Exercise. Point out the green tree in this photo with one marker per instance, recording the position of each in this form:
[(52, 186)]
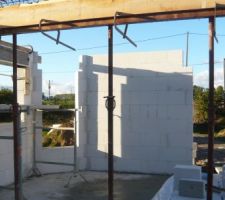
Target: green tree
[(6, 97), (58, 137), (65, 101), (200, 104), (219, 99)]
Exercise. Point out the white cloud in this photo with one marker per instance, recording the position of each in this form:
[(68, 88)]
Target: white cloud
[(202, 78), (57, 88)]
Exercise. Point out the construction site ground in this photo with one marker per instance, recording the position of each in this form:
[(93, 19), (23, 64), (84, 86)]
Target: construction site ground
[(93, 185), (88, 186)]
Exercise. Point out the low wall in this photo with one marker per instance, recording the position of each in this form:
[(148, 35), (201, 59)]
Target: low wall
[(52, 154), (56, 154), (6, 154)]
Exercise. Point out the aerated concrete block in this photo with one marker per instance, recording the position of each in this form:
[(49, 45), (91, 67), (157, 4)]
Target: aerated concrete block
[(191, 188), (186, 172)]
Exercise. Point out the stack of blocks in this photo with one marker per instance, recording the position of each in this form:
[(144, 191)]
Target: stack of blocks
[(188, 181)]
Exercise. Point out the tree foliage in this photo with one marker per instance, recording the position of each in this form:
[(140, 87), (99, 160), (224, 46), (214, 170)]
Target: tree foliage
[(59, 137), (200, 96), (6, 97), (64, 101)]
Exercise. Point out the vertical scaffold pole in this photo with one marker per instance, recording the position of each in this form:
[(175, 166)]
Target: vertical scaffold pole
[(110, 112), (16, 129), (34, 141), (211, 109), (75, 164)]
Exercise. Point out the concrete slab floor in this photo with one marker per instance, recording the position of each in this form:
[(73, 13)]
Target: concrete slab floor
[(88, 186)]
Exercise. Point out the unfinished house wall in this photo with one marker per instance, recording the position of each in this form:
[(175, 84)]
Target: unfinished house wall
[(56, 154), (152, 117), (6, 155), (29, 93)]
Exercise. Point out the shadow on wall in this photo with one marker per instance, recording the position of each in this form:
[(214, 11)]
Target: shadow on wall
[(152, 119)]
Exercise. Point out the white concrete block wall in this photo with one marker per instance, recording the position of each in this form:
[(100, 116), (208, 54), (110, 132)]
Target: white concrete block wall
[(153, 114), (6, 154), (29, 93), (81, 116), (56, 154)]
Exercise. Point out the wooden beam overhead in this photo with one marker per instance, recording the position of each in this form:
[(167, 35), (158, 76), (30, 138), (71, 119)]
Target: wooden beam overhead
[(67, 14)]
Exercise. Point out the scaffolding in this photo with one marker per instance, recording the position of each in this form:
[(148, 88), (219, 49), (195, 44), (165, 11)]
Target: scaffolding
[(16, 110), (35, 127), (28, 110)]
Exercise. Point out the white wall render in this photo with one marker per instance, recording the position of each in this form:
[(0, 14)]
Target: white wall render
[(153, 114)]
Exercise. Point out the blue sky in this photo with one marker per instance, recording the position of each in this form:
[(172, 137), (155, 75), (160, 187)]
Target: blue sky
[(59, 63)]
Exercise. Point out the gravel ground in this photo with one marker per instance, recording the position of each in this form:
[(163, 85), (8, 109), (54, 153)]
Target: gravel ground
[(219, 150)]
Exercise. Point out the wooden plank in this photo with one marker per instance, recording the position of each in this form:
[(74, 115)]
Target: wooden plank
[(88, 13), (55, 128), (68, 10), (61, 128)]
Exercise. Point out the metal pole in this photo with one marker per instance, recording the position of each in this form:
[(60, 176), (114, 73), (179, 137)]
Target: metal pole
[(110, 112), (34, 140), (187, 49), (211, 109), (16, 131), (75, 143), (35, 170)]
